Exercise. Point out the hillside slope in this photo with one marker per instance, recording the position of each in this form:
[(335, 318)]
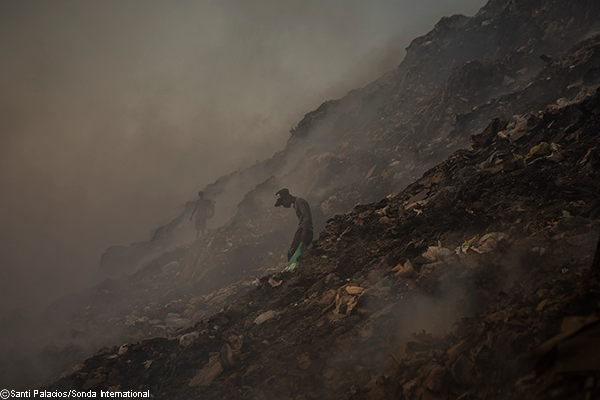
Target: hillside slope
[(340, 327), (350, 152)]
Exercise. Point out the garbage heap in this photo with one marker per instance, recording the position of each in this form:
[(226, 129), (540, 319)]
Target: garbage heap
[(476, 281), (378, 139), (504, 73)]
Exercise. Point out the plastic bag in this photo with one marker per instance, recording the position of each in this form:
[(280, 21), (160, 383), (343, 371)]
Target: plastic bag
[(437, 253)]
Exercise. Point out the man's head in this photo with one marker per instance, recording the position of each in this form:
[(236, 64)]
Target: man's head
[(284, 198), (201, 194)]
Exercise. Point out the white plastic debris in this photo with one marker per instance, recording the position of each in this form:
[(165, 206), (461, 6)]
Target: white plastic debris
[(489, 242), (266, 316), (437, 253), (274, 282), (188, 338)]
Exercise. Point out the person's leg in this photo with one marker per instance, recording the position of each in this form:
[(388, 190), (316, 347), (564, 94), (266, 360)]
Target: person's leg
[(295, 244), (200, 226), (309, 238)]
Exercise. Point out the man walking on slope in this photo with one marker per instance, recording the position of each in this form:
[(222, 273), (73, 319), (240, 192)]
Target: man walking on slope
[(304, 234), (203, 210)]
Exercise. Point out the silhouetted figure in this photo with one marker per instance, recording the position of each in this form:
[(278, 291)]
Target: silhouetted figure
[(203, 210), (304, 234)]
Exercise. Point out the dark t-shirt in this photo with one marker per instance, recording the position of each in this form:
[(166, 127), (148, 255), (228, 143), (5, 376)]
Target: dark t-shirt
[(202, 207), (303, 213)]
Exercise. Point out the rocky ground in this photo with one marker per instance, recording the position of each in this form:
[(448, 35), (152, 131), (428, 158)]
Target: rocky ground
[(488, 127), (447, 290)]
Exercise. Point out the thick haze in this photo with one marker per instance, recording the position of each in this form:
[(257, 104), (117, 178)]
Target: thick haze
[(114, 113)]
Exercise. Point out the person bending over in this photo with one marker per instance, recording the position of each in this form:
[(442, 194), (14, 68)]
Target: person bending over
[(304, 234)]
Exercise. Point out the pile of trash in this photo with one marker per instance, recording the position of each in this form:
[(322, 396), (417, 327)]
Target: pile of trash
[(473, 282), (463, 225)]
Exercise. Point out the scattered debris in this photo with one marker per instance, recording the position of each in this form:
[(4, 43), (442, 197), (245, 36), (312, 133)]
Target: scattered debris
[(492, 304), (275, 283), (206, 375), (437, 253), (264, 317)]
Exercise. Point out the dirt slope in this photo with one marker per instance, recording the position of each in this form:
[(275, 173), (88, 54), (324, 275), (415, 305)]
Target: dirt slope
[(360, 149), (340, 327)]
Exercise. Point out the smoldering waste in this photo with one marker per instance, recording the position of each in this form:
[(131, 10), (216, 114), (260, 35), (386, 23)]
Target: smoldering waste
[(474, 281), (487, 261)]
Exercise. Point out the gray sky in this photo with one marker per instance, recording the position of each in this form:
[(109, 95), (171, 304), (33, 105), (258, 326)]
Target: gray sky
[(114, 113)]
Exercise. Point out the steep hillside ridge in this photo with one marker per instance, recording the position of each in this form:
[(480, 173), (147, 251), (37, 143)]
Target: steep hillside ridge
[(417, 114), (356, 150), (351, 157), (525, 232)]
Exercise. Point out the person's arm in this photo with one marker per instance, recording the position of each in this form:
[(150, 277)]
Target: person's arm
[(194, 212), (211, 208), (305, 222)]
